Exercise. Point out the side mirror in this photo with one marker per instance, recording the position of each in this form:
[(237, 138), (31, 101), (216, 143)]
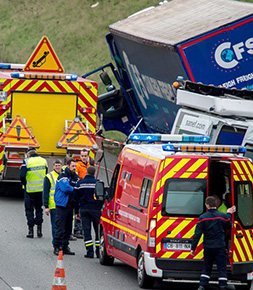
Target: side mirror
[(100, 191), (105, 78)]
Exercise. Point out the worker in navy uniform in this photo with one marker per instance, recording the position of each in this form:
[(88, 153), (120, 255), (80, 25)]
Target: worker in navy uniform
[(213, 225), (32, 174), (63, 198), (48, 193), (90, 210)]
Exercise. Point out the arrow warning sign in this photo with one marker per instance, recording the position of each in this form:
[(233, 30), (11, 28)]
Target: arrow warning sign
[(44, 59), (18, 135), (76, 136)]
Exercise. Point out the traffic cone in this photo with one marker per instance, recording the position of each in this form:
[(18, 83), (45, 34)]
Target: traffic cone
[(59, 276)]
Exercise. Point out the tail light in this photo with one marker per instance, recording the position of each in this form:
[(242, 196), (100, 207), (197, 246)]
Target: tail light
[(152, 234)]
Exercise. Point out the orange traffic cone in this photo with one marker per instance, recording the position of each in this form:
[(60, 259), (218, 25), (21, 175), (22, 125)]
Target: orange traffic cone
[(59, 276)]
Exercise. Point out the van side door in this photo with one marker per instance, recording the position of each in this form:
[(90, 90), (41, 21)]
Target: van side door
[(241, 251)]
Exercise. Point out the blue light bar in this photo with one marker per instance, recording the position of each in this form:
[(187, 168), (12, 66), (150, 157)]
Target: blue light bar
[(242, 149), (145, 137), (198, 139), (168, 147), (5, 66), (170, 138)]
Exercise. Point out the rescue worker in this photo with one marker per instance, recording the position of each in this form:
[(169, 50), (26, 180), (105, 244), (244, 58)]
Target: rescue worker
[(32, 174), (90, 210), (220, 204), (64, 207), (81, 167), (48, 193), (213, 225), (84, 162)]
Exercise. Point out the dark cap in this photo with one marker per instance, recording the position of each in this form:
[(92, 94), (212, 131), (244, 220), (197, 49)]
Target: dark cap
[(31, 149)]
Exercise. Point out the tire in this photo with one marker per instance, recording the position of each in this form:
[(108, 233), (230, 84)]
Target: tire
[(104, 259), (144, 281), (243, 287)]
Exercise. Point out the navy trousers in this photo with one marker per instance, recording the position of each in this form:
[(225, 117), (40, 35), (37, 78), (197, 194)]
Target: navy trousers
[(63, 226), (33, 208), (89, 216), (211, 255), (52, 219)]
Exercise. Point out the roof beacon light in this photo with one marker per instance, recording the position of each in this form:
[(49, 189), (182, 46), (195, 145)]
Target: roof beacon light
[(205, 148), (44, 76), (169, 138), (11, 66)]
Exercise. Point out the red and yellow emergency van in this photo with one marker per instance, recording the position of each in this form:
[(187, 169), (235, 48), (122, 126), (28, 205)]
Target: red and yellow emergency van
[(156, 195), (43, 107)]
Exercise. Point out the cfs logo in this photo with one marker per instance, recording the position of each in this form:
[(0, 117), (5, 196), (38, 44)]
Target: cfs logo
[(228, 56)]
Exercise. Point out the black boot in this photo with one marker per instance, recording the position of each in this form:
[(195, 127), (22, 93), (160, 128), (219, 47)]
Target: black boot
[(39, 231), (30, 232)]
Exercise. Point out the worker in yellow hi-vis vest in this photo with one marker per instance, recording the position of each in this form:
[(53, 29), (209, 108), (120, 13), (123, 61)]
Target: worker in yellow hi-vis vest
[(48, 193), (32, 174)]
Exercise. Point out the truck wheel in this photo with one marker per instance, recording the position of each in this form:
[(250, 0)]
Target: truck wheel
[(144, 281), (104, 259), (244, 287)]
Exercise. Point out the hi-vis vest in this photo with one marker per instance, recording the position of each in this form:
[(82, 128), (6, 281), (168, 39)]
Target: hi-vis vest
[(52, 176), (36, 171)]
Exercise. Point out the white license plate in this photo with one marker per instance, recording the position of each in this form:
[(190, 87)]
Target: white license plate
[(177, 246)]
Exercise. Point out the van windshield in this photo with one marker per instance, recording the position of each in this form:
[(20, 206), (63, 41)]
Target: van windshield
[(184, 197)]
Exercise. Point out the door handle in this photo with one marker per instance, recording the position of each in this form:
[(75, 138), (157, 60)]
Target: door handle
[(239, 236)]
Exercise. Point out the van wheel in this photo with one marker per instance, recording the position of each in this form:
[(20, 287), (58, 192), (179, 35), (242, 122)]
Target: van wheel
[(244, 287), (144, 281), (104, 259)]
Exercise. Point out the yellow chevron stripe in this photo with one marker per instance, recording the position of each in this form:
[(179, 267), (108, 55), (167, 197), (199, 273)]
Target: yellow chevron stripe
[(239, 249), (164, 226), (246, 247), (68, 88), (161, 167), (1, 157), (236, 178), (201, 175), (250, 165), (13, 83), (158, 248), (159, 216), (54, 87), (88, 97), (124, 228), (235, 258), (184, 255), (238, 167), (199, 256), (168, 161), (45, 90), (189, 234), (158, 185), (167, 254), (246, 168), (196, 165), (36, 85), (186, 174), (179, 228), (23, 85), (176, 168)]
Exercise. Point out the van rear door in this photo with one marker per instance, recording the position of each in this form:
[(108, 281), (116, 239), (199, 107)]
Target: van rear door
[(182, 195), (241, 251)]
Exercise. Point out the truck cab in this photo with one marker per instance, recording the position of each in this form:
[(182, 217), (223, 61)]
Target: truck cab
[(225, 115)]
